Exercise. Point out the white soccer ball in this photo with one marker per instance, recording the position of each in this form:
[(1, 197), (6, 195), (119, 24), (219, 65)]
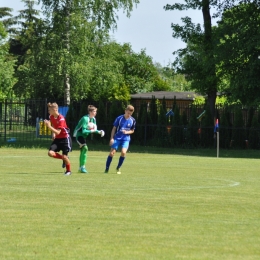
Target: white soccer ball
[(91, 126)]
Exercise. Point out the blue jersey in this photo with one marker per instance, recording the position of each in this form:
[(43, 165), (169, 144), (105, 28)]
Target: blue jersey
[(123, 124)]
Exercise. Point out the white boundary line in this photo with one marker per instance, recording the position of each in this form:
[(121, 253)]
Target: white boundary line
[(231, 184)]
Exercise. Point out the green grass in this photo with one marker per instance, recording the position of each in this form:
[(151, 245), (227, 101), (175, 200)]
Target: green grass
[(162, 206)]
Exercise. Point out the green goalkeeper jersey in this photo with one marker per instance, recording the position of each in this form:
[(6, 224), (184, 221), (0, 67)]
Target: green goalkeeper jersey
[(82, 127)]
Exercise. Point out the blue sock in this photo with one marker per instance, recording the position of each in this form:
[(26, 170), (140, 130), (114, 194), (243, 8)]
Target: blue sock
[(120, 162), (109, 160)]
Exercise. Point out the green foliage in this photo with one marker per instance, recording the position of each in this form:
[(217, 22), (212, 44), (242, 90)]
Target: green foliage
[(238, 51), (7, 63), (199, 100), (197, 61)]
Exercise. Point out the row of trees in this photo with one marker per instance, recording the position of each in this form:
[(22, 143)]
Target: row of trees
[(65, 51)]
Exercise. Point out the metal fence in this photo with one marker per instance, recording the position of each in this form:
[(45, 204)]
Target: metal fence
[(21, 122)]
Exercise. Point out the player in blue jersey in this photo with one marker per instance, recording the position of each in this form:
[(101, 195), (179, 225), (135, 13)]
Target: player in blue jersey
[(123, 127)]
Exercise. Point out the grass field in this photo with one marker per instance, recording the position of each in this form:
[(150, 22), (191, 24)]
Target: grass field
[(162, 206)]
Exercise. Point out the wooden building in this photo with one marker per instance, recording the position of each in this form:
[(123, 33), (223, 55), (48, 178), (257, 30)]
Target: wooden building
[(183, 99)]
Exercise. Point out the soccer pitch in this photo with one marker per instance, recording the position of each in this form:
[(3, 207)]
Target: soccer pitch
[(162, 206)]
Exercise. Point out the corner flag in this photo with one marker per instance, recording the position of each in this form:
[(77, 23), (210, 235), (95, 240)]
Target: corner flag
[(216, 126)]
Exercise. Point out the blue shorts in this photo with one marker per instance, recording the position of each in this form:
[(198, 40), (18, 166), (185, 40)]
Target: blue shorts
[(117, 143)]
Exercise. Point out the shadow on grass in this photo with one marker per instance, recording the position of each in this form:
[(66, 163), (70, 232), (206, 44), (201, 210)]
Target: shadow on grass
[(104, 147)]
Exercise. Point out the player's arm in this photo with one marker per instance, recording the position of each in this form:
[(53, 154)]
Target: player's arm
[(131, 130), (128, 132), (54, 130), (113, 131), (79, 125), (84, 124)]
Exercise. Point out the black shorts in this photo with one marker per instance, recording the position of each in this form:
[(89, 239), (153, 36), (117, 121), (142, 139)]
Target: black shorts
[(81, 141), (61, 144)]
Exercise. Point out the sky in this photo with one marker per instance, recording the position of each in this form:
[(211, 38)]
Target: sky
[(149, 27)]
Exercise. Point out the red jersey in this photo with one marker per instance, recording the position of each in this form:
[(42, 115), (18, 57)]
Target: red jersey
[(60, 123)]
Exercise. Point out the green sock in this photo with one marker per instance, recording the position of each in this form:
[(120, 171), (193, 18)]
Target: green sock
[(83, 155)]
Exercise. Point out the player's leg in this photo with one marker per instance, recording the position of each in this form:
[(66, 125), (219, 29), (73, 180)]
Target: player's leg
[(67, 163), (83, 154), (53, 150), (125, 145), (65, 146), (112, 152)]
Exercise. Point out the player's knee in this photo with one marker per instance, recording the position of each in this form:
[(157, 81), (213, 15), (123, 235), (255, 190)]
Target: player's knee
[(123, 152), (112, 153), (50, 153), (84, 148)]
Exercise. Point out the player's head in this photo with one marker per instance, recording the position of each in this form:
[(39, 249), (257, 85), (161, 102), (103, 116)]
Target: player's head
[(129, 111), (92, 110), (53, 108)]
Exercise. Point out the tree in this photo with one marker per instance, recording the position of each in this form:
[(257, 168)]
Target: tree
[(101, 13), (174, 81), (7, 22), (22, 41), (7, 64), (238, 52), (197, 59)]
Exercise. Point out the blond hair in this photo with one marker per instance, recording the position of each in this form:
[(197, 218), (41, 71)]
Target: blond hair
[(130, 108), (91, 108), (53, 105)]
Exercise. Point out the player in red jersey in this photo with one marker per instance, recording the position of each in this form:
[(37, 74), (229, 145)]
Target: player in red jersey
[(60, 136)]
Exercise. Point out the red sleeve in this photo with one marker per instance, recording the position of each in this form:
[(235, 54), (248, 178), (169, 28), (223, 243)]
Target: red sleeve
[(62, 122)]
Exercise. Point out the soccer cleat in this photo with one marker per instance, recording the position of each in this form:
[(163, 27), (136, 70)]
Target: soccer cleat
[(67, 173), (83, 170), (106, 171), (118, 171)]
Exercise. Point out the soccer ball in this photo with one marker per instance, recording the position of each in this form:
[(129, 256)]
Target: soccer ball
[(91, 126)]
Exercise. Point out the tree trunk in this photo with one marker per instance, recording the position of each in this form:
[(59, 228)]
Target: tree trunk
[(67, 77), (208, 45), (212, 102), (67, 90)]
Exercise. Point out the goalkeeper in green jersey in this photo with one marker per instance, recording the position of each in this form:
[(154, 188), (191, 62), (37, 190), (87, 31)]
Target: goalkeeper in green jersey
[(86, 125)]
